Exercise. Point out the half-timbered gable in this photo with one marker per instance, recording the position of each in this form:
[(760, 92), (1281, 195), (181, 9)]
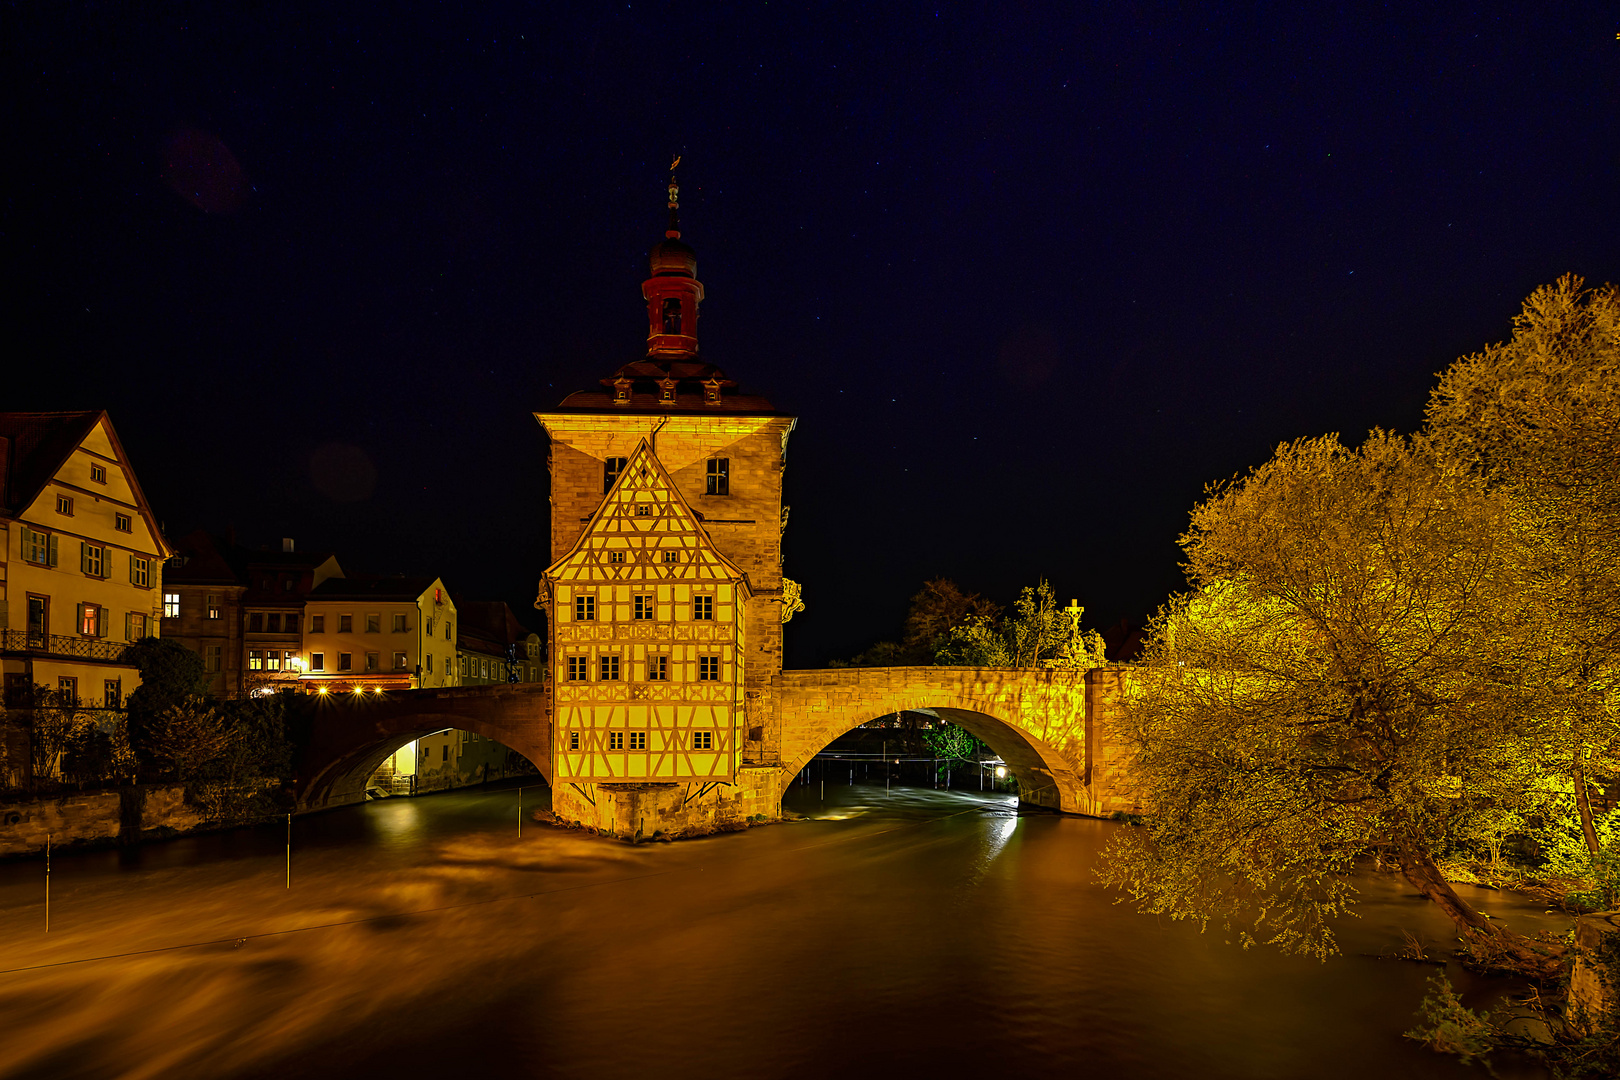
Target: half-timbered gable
[(647, 640)]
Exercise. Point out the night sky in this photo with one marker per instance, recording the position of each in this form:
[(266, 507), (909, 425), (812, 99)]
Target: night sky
[(1030, 276)]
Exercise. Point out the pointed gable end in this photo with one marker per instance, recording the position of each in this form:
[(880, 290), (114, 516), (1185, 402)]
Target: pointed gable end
[(645, 532)]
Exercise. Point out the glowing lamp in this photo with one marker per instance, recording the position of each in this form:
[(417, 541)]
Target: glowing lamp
[(1001, 772)]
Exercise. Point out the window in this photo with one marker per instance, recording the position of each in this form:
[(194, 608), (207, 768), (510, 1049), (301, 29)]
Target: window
[(122, 523), (272, 622), (91, 557), (672, 556), (427, 627), (371, 661), (708, 669), (98, 473), (345, 661), (140, 571), (317, 624), (211, 658), (287, 584), (67, 688), (638, 740), (211, 603), (272, 660), (449, 630), (134, 626), (615, 740), (399, 624), (615, 556), (703, 740), (373, 624), (573, 740), (643, 510), (64, 504), (657, 668), (255, 622), (90, 620), (702, 607), (317, 661), (644, 607), (345, 624), (38, 548), (290, 623), (171, 605), (577, 670), (610, 669), (444, 752), (255, 660), (672, 314), (113, 693), (611, 468), (428, 659), (718, 477), (585, 608), (483, 669)]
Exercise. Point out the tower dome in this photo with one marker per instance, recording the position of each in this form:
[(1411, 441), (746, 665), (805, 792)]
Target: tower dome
[(673, 257)]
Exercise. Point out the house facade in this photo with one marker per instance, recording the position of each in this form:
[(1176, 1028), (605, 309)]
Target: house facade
[(378, 633), (81, 559)]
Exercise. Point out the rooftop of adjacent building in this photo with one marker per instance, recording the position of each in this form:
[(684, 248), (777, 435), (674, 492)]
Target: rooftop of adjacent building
[(202, 558), (374, 587)]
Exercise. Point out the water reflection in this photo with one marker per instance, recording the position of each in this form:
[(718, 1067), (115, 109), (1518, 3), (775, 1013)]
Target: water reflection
[(919, 931)]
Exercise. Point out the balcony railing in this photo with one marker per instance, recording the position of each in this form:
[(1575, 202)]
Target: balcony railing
[(82, 648)]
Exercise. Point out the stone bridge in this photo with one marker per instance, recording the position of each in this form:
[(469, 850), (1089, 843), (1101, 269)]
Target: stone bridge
[(1050, 727)]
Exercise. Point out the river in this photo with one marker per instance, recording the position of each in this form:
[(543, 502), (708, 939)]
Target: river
[(907, 933)]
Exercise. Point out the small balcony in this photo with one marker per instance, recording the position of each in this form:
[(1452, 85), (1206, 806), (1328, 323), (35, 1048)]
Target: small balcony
[(14, 642)]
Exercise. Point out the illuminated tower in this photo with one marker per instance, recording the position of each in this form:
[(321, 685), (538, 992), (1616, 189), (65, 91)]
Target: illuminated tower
[(665, 593)]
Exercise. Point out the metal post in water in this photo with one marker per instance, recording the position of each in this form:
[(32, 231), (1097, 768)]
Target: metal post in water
[(47, 883), (520, 812), (289, 851)]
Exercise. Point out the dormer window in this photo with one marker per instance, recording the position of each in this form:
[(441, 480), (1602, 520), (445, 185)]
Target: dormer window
[(672, 315)]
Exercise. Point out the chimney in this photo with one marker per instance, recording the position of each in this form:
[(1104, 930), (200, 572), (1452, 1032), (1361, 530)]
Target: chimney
[(287, 544)]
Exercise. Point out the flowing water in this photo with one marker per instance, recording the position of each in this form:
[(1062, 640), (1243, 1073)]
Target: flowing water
[(906, 933)]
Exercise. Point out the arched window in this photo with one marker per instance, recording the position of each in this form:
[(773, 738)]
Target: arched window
[(672, 315)]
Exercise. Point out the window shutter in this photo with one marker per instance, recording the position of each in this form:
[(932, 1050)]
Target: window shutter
[(51, 553), (84, 556), (78, 627), (131, 571), (129, 626)]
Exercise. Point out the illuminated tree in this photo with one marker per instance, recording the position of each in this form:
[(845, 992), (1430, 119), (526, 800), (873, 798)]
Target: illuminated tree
[(1539, 418), (1037, 633), (1340, 679)]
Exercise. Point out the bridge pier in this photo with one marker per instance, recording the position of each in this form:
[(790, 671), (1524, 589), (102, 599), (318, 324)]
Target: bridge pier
[(671, 811)]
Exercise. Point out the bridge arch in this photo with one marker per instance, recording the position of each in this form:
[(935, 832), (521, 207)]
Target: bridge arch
[(352, 734), (1035, 721), (1039, 769)]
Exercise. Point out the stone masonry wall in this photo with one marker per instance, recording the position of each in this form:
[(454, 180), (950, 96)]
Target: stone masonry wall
[(93, 816)]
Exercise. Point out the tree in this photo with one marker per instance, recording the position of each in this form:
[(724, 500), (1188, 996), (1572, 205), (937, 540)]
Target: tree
[(1037, 634), (1538, 417), (938, 607), (171, 675), (1340, 678)]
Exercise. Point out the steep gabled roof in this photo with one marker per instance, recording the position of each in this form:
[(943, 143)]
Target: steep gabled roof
[(643, 517), (33, 447), (372, 587)]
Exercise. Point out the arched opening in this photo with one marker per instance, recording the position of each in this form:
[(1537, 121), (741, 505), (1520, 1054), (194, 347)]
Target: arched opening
[(433, 751), (1017, 762)]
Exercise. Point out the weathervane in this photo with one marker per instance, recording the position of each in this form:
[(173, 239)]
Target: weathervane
[(674, 229)]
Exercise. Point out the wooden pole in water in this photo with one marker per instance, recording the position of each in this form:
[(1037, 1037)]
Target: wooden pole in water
[(520, 813), (289, 851), (47, 883)]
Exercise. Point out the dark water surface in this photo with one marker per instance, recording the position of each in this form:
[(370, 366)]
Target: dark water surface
[(916, 933)]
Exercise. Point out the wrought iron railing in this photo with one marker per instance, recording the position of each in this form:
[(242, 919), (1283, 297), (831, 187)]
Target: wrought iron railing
[(14, 641)]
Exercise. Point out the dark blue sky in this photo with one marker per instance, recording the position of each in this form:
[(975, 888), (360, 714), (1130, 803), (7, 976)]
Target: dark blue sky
[(1030, 276)]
